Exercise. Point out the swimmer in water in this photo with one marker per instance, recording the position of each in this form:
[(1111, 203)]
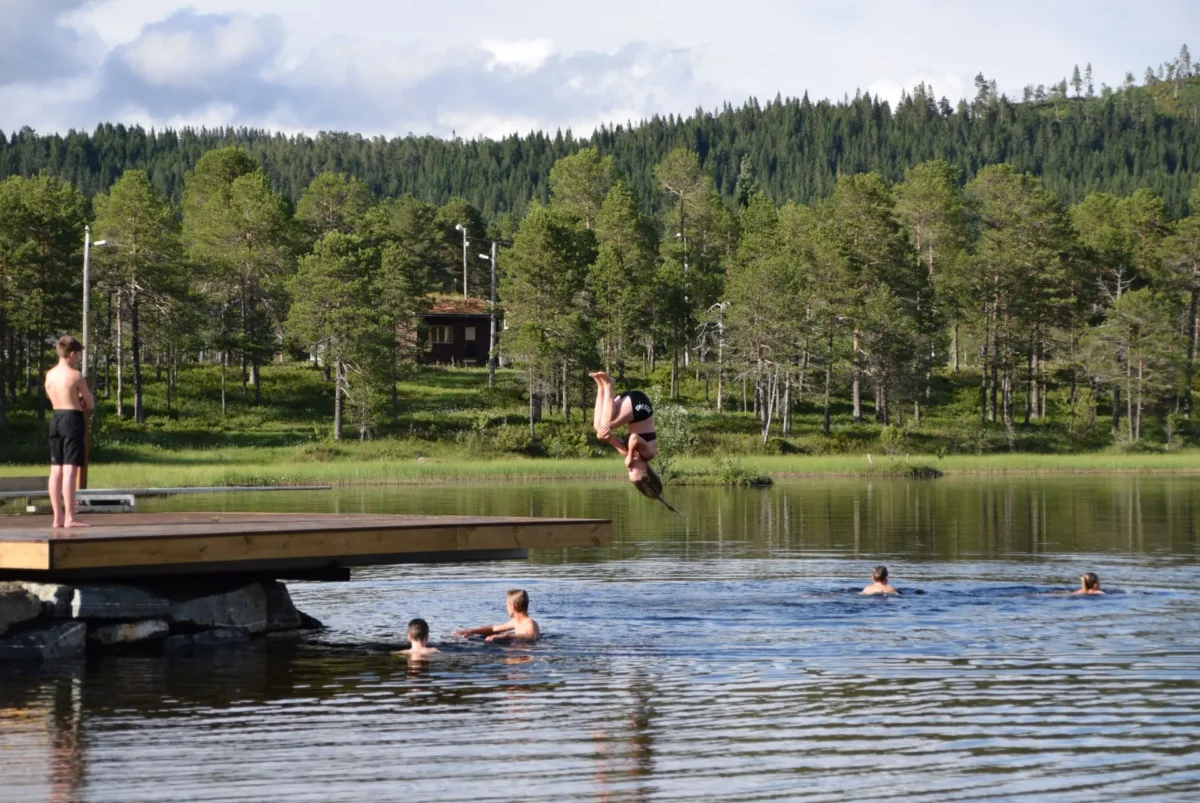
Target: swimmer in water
[(880, 586), (418, 641), (519, 627), (1089, 583)]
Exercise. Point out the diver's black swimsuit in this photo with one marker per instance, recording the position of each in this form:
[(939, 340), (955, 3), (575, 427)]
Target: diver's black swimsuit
[(642, 410)]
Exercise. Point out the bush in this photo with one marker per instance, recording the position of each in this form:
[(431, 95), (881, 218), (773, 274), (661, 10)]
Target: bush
[(512, 438), (567, 444)]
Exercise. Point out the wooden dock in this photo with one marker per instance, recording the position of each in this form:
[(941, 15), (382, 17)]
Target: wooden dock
[(282, 545)]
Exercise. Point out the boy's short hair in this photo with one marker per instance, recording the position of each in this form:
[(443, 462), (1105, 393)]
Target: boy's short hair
[(418, 630), (880, 574), (519, 600), (67, 346), (1091, 580)]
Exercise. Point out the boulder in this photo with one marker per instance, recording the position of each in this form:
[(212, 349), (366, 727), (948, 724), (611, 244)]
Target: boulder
[(310, 622), (17, 605), (117, 602), (205, 638), (129, 632), (281, 612), (55, 598), (243, 609), (64, 640)]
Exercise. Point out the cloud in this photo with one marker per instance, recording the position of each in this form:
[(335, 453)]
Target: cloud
[(191, 50), (34, 46), (522, 56), (231, 69)]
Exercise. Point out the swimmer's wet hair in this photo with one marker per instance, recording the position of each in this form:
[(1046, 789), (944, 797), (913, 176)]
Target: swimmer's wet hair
[(418, 631), (519, 600), (651, 487), (1091, 580), (880, 574)]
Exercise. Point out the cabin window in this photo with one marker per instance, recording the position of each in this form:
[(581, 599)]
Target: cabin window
[(470, 334), (441, 334)]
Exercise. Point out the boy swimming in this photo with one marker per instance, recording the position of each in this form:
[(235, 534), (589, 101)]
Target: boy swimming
[(880, 586), (519, 627), (1089, 583), (418, 640)]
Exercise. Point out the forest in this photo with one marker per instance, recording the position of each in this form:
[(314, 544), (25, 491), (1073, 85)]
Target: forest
[(795, 254)]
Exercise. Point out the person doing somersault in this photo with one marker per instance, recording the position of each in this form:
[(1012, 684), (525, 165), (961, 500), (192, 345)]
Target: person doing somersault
[(633, 410)]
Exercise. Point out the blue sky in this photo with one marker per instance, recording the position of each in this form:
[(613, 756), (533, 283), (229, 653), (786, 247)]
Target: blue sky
[(482, 68)]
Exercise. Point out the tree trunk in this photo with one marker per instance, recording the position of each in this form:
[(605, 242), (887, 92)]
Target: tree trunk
[(1137, 429), (120, 359), (395, 392), (675, 373), (954, 348), (566, 395), (224, 367), (1116, 408), (855, 390), (1029, 383), (532, 431), (828, 384), (983, 367), (786, 414), (339, 396), (1193, 333), (1129, 399), (139, 412)]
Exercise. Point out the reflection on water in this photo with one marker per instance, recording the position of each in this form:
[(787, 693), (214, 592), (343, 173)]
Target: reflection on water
[(724, 654)]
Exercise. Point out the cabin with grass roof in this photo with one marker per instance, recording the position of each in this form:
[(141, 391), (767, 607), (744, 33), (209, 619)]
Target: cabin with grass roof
[(457, 331)]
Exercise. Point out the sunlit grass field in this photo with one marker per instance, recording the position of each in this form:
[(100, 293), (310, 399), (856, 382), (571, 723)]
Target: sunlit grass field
[(449, 425)]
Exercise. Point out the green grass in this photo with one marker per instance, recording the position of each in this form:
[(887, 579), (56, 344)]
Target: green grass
[(451, 426), (687, 471)]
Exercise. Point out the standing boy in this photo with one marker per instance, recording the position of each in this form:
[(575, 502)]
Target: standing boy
[(69, 396)]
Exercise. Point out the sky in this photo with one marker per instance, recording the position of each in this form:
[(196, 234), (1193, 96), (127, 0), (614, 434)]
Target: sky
[(486, 68)]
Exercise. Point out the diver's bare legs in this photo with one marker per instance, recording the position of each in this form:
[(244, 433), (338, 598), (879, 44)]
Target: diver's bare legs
[(605, 401)]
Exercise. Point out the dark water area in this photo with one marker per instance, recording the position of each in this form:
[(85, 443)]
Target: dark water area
[(724, 655)]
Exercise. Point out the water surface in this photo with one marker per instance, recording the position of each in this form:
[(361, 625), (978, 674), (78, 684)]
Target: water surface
[(724, 654)]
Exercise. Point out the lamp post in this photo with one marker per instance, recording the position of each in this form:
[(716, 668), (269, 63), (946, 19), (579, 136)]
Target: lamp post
[(463, 229), (493, 354), (87, 288)]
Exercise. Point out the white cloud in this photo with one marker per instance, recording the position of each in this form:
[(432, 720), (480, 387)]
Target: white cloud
[(183, 57), (521, 56), (479, 68)]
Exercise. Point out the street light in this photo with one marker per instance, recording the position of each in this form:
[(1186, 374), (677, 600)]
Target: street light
[(87, 287), (463, 229), (492, 353)]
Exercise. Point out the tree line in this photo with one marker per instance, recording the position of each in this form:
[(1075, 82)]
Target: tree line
[(1078, 138), (862, 293)]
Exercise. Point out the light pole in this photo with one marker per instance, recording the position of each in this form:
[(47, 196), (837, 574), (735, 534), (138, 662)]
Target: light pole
[(463, 229), (493, 354), (87, 288)]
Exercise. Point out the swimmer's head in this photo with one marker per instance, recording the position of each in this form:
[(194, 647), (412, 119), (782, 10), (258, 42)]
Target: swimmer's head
[(638, 469), (1090, 581), (418, 631), (518, 601), (880, 574)]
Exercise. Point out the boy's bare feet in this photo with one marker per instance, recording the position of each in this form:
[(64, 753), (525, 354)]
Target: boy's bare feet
[(56, 523), (601, 376), (75, 523)]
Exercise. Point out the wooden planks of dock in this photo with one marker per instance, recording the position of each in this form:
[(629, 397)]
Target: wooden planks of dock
[(281, 544)]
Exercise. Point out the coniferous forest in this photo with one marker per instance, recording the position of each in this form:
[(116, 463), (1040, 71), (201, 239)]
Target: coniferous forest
[(822, 254)]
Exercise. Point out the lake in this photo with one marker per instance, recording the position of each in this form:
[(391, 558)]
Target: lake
[(724, 654)]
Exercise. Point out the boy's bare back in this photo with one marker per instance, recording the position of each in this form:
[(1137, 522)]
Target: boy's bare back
[(67, 390)]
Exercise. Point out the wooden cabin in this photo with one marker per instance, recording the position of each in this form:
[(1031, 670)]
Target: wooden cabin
[(458, 331)]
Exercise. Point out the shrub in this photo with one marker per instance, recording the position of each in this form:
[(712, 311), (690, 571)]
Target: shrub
[(512, 438), (567, 444)]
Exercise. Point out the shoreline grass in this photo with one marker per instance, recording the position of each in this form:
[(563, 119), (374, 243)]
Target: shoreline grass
[(230, 468)]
